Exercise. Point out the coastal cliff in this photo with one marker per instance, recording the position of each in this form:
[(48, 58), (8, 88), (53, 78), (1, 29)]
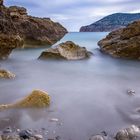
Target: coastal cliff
[(111, 22), (124, 43), (18, 29)]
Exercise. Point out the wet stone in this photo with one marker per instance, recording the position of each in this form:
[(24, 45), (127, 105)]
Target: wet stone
[(38, 137), (26, 134), (7, 130)]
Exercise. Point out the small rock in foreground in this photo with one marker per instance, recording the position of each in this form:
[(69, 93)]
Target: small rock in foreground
[(129, 133), (37, 99)]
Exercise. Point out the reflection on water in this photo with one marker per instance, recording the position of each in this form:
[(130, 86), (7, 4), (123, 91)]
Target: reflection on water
[(87, 96)]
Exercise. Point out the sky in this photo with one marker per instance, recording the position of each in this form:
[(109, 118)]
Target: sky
[(73, 14)]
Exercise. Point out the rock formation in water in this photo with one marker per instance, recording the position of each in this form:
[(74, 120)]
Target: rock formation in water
[(6, 74), (124, 43), (18, 28), (111, 22), (66, 51), (37, 99)]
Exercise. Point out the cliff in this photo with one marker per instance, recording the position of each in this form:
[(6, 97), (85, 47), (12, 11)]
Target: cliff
[(111, 22)]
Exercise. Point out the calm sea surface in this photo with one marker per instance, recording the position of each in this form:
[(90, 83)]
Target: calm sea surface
[(87, 96)]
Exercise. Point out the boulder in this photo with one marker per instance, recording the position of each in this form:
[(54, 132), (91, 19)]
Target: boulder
[(66, 51), (37, 99), (17, 28), (34, 30), (129, 133), (6, 74), (123, 43)]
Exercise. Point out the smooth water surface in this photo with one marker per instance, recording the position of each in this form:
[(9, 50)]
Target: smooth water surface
[(87, 96)]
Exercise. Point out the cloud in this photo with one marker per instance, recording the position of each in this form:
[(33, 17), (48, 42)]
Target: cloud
[(75, 13)]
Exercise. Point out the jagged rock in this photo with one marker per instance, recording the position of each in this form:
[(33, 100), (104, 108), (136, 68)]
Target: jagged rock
[(17, 12), (1, 2), (18, 28), (37, 99), (111, 22), (124, 43), (6, 74), (36, 30), (67, 51), (130, 133), (9, 38)]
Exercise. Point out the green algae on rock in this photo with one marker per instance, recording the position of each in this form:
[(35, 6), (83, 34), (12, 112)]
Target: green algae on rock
[(37, 99)]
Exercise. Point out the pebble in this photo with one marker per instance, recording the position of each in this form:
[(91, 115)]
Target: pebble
[(129, 133), (25, 134), (97, 137), (7, 130), (54, 120), (18, 130), (38, 137), (131, 92)]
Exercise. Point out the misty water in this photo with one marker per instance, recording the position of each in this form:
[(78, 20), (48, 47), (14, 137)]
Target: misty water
[(87, 96)]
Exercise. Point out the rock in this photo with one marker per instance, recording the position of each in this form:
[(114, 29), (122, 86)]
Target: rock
[(66, 51), (129, 133), (97, 137), (7, 130), (131, 92), (123, 43), (38, 137), (17, 28), (37, 99), (10, 137), (26, 134), (111, 22), (34, 30), (54, 119), (6, 74), (9, 36), (1, 2)]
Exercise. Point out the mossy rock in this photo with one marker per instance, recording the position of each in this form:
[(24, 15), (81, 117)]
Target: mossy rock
[(37, 99)]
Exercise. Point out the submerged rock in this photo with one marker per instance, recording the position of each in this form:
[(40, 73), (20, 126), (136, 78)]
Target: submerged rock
[(66, 51), (129, 133), (37, 99), (124, 43), (6, 74)]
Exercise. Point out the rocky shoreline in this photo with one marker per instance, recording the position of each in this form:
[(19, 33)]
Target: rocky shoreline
[(129, 133)]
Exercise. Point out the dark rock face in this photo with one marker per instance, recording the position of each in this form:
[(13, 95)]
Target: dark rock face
[(17, 28), (66, 51), (124, 43), (111, 22)]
